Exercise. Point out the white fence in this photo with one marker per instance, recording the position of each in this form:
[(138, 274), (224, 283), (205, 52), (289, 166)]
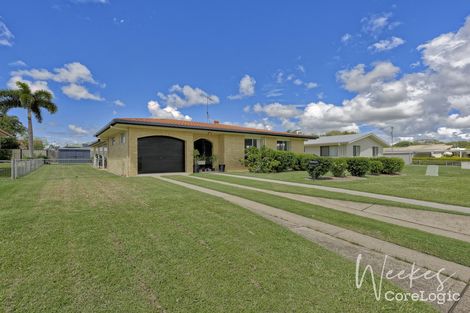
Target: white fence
[(21, 168)]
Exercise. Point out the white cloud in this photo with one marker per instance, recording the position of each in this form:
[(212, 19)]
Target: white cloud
[(298, 82), (356, 79), (90, 1), (186, 96), (77, 130), (119, 103), (432, 103), (73, 74), (277, 110), (276, 92), (246, 108), (311, 85), (301, 68), (263, 124), (377, 23), (387, 44), (35, 86), (18, 63), (6, 36), (346, 38), (79, 92), (246, 88), (167, 112)]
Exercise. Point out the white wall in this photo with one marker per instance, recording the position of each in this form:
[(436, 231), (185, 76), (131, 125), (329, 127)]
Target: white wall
[(366, 147), (347, 150)]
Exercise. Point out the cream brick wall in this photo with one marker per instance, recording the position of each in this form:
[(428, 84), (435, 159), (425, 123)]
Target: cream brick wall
[(118, 160), (229, 148)]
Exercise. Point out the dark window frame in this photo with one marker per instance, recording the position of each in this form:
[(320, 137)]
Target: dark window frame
[(327, 149)]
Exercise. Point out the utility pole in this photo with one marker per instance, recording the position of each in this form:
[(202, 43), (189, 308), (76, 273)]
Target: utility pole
[(391, 133)]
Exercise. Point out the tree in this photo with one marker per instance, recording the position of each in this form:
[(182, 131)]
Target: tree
[(11, 124), (403, 143), (33, 102), (339, 132)]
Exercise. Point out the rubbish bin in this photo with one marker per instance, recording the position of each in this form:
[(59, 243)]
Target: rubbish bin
[(221, 167)]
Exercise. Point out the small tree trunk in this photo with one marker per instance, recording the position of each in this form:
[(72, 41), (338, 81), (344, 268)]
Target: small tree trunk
[(30, 134)]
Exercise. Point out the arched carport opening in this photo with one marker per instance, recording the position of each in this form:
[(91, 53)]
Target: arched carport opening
[(204, 147)]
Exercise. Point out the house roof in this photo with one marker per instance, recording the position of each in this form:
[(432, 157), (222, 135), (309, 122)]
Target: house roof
[(4, 133), (197, 125), (419, 148), (342, 139)]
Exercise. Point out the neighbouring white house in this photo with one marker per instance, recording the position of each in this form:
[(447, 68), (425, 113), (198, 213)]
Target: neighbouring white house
[(431, 150), (365, 145)]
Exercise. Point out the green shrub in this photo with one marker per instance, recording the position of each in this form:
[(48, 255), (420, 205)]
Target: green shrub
[(320, 169), (391, 165), (286, 160), (338, 167), (376, 167), (358, 166), (302, 161), (5, 154)]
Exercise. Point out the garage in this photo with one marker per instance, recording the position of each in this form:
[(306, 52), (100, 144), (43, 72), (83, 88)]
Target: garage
[(160, 154)]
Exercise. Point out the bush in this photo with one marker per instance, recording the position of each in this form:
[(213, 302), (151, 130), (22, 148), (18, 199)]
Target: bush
[(302, 161), (338, 167), (391, 165), (358, 166), (320, 169), (287, 160), (376, 167)]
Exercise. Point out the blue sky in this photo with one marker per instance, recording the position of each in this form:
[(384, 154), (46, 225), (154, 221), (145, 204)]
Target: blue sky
[(357, 65)]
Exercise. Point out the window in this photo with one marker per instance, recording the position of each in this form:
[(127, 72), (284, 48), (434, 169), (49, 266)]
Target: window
[(122, 138), (324, 151), (375, 151), (356, 150), (113, 141), (334, 151), (249, 142), (282, 145)]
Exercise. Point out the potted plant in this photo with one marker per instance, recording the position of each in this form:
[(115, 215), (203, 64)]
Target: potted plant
[(198, 160)]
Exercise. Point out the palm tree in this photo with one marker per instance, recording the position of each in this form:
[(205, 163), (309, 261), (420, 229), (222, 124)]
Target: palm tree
[(33, 102)]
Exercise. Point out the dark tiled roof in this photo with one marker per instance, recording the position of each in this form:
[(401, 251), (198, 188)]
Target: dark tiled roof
[(198, 125)]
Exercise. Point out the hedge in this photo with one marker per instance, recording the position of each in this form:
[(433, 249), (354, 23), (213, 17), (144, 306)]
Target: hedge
[(265, 160), (338, 167), (358, 166), (321, 168), (376, 167), (454, 159), (391, 165)]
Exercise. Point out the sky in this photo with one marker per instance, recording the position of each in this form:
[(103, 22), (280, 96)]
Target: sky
[(308, 65)]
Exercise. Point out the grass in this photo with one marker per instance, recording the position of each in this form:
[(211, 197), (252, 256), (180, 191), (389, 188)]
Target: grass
[(451, 186), (5, 170), (439, 246), (75, 239), (318, 193)]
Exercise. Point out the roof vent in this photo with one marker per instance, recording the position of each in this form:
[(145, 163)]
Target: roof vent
[(216, 122)]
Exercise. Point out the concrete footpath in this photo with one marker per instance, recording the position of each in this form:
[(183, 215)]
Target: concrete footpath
[(376, 253), (444, 224), (435, 205)]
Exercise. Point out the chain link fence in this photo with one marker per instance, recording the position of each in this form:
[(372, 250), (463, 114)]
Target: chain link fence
[(5, 168), (21, 168)]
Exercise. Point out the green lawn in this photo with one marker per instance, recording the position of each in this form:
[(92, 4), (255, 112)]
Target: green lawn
[(75, 239), (316, 192), (442, 247), (452, 186), (5, 170)]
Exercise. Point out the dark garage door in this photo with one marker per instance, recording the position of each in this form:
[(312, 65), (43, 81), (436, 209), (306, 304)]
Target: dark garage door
[(160, 154)]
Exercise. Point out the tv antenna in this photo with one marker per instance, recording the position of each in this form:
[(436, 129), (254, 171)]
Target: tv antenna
[(207, 107)]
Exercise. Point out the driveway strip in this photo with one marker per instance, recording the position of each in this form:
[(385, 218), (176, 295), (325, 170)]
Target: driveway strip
[(448, 225), (435, 205)]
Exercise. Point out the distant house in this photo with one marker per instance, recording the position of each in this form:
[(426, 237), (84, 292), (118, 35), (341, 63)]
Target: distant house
[(4, 133), (365, 145), (433, 150)]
